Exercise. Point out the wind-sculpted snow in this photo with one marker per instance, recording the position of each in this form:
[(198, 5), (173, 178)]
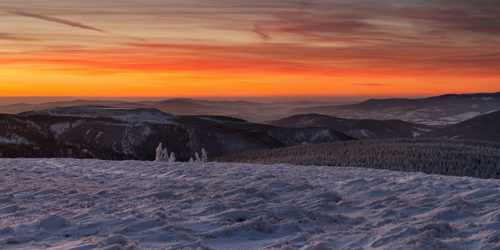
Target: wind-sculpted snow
[(85, 204)]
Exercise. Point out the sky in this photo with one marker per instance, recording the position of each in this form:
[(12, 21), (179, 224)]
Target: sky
[(248, 48)]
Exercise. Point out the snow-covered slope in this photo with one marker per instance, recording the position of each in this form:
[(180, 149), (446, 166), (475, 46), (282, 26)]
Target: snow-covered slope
[(84, 204)]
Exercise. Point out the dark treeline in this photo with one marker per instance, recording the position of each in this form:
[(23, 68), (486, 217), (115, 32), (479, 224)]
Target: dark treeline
[(433, 156)]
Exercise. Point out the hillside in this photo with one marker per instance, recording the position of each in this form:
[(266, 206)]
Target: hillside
[(438, 110), (458, 158), (361, 129), (485, 127), (119, 133), (89, 204)]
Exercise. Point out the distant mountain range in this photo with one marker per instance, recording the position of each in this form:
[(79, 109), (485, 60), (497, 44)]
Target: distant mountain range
[(250, 111), (120, 130), (435, 111), (362, 129), (485, 127), (439, 110), (133, 133), (481, 128)]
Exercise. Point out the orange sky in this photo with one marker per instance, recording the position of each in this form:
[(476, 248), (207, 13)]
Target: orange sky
[(240, 48)]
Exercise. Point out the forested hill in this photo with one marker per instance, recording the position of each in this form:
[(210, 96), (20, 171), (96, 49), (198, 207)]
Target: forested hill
[(432, 156), (118, 133)]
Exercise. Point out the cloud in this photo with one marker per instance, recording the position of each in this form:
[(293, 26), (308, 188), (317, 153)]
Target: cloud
[(261, 32), (419, 60), (57, 20), (386, 21), (10, 37), (481, 16), (420, 37), (372, 84)]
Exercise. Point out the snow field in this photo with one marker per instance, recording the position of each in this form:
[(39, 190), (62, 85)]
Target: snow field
[(88, 204)]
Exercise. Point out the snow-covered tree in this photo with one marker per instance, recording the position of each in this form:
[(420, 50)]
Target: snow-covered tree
[(172, 157), (159, 151), (191, 160), (164, 155), (197, 157), (204, 157)]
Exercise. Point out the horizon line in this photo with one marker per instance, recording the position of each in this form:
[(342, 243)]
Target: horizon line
[(244, 96), (255, 96)]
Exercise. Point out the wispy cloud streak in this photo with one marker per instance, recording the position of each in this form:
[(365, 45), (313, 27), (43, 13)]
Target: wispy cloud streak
[(56, 20), (9, 37), (372, 84), (263, 34)]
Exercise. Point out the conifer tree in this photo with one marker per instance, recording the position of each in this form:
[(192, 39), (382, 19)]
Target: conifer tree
[(204, 157), (197, 157), (172, 158), (164, 155), (159, 151)]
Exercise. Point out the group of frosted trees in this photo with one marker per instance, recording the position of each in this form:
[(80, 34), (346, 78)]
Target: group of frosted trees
[(162, 155)]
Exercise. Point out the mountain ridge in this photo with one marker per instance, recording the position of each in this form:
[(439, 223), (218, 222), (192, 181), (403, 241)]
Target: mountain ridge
[(485, 127), (357, 128), (438, 110), (118, 134)]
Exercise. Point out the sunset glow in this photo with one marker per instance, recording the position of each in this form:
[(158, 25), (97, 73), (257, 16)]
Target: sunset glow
[(241, 48)]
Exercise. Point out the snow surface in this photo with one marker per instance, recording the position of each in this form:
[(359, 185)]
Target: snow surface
[(461, 117), (489, 98), (14, 139), (361, 133), (61, 127), (415, 134), (86, 204)]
